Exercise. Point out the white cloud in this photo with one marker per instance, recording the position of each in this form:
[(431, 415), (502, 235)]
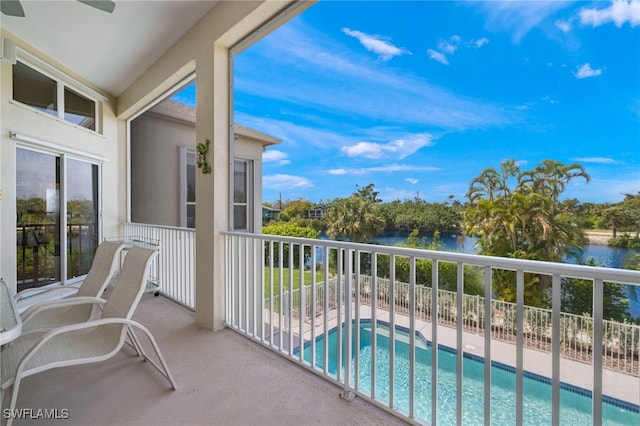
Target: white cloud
[(412, 181), (281, 181), (338, 172), (318, 68), (399, 148), (620, 12), (600, 190), (586, 71), (294, 135), (437, 56), (480, 42), (449, 46), (389, 194), (564, 26), (376, 44), (391, 168), (518, 17), (596, 160), (275, 156)]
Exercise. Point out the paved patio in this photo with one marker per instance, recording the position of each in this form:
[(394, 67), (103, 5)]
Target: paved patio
[(223, 379)]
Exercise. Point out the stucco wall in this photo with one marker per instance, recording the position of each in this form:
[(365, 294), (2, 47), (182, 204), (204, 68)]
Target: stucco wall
[(45, 130), (156, 138), (155, 172)]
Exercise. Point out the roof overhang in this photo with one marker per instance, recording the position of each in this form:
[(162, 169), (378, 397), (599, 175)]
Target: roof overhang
[(109, 50)]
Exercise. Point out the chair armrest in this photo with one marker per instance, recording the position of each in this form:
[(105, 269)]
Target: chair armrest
[(24, 294), (59, 331), (52, 333), (59, 304)]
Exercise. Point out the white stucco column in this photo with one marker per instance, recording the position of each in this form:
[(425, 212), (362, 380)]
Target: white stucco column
[(207, 44), (212, 190)]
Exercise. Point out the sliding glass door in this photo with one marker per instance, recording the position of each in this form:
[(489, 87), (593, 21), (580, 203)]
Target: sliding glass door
[(82, 216), (57, 226)]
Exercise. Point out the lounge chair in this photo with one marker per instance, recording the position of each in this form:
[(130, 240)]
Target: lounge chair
[(49, 314), (90, 341)]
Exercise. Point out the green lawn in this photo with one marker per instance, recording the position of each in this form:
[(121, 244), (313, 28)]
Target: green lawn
[(285, 280)]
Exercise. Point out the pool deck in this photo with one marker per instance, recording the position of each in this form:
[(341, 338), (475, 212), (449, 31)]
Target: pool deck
[(615, 384)]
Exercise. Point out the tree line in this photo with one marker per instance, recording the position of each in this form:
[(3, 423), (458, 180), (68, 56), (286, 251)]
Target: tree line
[(511, 212), (368, 216)]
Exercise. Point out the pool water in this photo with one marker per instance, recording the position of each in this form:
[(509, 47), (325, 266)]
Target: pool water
[(575, 406)]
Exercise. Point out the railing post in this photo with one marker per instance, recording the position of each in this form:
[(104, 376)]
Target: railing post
[(412, 337), (596, 347), (434, 341), (477, 314), (459, 343), (487, 344), (347, 393), (555, 350), (519, 345)]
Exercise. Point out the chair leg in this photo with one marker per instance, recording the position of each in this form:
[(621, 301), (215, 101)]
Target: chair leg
[(163, 368), (14, 399), (135, 343)]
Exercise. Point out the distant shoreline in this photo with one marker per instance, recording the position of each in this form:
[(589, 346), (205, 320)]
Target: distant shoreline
[(599, 237)]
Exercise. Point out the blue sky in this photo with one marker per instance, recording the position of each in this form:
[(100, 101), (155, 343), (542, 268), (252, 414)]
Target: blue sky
[(419, 97)]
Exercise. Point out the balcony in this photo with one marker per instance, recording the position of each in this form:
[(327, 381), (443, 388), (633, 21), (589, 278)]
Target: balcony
[(357, 299), (246, 373), (222, 377)]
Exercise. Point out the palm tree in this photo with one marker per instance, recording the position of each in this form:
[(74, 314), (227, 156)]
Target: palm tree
[(551, 177), (493, 184), (354, 218), (525, 221)]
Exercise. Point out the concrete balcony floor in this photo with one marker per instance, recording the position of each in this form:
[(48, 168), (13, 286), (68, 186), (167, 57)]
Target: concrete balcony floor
[(223, 379)]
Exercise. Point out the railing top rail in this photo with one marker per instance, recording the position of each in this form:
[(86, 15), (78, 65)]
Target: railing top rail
[(148, 225), (622, 276)]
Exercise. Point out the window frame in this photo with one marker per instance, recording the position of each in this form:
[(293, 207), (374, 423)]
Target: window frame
[(249, 203), (185, 152), (64, 155), (63, 83)]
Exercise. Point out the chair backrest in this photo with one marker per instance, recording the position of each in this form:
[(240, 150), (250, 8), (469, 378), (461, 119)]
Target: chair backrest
[(126, 294), (105, 263)]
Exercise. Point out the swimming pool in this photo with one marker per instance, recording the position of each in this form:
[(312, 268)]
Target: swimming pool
[(575, 403)]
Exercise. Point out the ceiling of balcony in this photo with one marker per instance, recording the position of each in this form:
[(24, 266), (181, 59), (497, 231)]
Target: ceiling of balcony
[(109, 49)]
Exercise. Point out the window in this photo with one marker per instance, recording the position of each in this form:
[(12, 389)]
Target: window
[(242, 195), (35, 89), (39, 91), (79, 109), (242, 214), (188, 193)]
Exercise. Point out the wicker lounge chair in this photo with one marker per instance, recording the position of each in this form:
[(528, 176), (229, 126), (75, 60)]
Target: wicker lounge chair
[(90, 341)]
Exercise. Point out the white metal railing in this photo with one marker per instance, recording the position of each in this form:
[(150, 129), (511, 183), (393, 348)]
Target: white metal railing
[(262, 269), (176, 259), (621, 344)]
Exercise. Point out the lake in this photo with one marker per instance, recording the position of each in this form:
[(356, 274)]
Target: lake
[(610, 257)]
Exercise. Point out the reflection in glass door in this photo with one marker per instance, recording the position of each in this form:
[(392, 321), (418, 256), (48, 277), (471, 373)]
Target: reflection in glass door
[(82, 216), (38, 218), (40, 221)]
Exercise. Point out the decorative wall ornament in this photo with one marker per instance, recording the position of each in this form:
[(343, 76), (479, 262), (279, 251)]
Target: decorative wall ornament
[(201, 161)]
